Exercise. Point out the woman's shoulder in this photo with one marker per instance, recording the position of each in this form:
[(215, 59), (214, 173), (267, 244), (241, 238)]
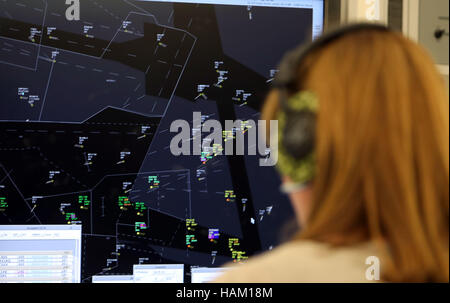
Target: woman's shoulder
[(303, 261)]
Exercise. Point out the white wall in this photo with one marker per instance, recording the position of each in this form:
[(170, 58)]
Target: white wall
[(418, 24)]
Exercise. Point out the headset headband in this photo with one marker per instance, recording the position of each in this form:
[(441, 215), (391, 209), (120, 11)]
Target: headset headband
[(288, 67)]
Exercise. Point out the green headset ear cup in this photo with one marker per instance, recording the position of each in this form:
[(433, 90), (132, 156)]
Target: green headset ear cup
[(303, 100), (299, 131), (300, 169)]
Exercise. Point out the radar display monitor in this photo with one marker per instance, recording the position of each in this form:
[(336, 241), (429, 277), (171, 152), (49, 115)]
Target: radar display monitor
[(88, 94)]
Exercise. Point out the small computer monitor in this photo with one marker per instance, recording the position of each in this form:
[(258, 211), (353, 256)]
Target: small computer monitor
[(158, 273), (113, 279), (40, 253), (206, 274)]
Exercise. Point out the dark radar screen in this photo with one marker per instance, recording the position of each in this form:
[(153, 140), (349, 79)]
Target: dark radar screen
[(85, 112)]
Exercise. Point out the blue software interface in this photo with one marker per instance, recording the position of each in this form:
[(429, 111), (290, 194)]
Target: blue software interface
[(86, 109), (40, 253)]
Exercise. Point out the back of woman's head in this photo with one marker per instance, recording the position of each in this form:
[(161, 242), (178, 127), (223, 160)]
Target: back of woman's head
[(382, 151)]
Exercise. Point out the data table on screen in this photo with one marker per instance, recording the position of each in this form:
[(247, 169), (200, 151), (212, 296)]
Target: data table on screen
[(40, 254)]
